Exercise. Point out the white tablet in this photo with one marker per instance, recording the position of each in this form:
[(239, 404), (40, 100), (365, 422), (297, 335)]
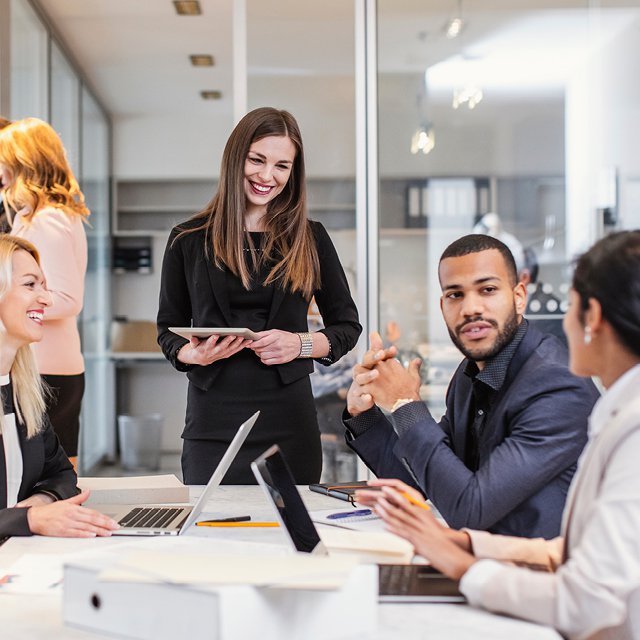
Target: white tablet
[(205, 332)]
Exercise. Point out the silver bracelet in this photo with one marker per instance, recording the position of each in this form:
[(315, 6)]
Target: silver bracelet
[(306, 345)]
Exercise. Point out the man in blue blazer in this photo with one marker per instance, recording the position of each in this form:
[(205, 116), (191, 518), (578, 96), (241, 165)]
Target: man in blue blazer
[(504, 453)]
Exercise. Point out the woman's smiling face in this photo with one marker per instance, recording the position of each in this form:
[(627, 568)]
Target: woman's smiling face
[(23, 304), (267, 169)]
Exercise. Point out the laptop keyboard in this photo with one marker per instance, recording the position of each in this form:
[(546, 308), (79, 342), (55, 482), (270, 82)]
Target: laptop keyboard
[(149, 517), (395, 578)]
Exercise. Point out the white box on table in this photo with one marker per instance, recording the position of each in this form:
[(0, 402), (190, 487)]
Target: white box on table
[(159, 611)]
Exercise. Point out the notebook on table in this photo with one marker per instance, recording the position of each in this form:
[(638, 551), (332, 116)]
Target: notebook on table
[(341, 490), (397, 583), (158, 519)]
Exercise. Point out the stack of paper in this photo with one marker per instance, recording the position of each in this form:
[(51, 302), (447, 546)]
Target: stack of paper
[(294, 571), (135, 490), (377, 547)]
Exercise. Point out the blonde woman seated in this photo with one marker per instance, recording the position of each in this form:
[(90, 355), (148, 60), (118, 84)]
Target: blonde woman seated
[(37, 482), (589, 586)]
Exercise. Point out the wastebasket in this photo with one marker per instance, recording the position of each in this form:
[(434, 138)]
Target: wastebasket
[(140, 441)]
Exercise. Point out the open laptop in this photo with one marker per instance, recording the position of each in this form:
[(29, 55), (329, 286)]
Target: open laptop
[(397, 583), (166, 520)]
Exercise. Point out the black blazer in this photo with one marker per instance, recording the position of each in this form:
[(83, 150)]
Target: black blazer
[(193, 291), (46, 468)]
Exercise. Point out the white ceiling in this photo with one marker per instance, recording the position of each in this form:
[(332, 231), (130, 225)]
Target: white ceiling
[(301, 53), (135, 53)]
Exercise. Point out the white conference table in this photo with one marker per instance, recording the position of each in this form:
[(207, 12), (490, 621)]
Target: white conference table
[(40, 616)]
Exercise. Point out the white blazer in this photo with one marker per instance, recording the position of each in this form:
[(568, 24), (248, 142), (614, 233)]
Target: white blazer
[(591, 586)]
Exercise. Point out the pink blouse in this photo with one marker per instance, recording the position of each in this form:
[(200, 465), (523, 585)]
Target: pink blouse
[(62, 244)]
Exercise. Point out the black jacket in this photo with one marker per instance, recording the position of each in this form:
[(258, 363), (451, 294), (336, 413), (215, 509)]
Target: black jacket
[(46, 468), (193, 291)]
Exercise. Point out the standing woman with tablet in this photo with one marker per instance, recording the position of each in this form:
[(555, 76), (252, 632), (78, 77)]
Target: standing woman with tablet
[(251, 258), (586, 583), (51, 213), (38, 492)]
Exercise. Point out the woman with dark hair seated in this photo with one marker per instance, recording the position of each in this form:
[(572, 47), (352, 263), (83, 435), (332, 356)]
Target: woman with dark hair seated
[(590, 583), (38, 492)]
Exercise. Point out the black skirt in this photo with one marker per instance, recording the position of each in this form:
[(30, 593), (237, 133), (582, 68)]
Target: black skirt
[(287, 418), (63, 408)]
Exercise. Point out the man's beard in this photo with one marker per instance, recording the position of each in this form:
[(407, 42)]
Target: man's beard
[(503, 338)]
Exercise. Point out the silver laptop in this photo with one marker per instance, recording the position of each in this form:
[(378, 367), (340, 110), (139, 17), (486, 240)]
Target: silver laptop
[(166, 520), (397, 583)]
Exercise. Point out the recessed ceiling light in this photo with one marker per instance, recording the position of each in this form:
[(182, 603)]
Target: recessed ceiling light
[(454, 27), (187, 7), (201, 60), (211, 95)]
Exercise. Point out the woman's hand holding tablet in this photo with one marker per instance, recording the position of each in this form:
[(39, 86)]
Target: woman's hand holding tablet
[(206, 332)]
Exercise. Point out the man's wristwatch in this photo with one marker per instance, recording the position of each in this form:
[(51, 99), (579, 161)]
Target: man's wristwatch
[(400, 402), (306, 345)]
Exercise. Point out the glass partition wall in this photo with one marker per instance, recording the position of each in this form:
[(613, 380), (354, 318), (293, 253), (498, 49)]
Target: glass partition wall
[(29, 42), (516, 120), (45, 83), (98, 414)]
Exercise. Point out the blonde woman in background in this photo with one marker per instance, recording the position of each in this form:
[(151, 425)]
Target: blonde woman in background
[(38, 492), (50, 212)]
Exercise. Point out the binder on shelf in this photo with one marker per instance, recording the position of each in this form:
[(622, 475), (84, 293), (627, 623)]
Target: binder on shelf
[(132, 254)]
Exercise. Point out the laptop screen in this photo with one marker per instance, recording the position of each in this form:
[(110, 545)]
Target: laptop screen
[(398, 583), (273, 474), (220, 471)]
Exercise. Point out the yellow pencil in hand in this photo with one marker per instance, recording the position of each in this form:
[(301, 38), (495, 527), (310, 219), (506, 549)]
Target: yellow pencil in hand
[(412, 500)]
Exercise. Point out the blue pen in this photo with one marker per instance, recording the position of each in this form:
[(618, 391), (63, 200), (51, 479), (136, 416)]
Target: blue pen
[(349, 514)]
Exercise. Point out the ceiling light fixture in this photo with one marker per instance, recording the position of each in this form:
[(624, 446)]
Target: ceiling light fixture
[(187, 7), (201, 60), (211, 95), (454, 26), (424, 139), (470, 95)]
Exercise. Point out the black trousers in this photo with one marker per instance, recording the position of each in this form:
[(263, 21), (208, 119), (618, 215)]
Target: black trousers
[(63, 408), (201, 457)]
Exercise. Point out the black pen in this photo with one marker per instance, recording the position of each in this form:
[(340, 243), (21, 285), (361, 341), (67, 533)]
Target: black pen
[(232, 519)]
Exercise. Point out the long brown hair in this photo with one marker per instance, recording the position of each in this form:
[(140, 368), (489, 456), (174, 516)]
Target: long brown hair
[(289, 248), (28, 389), (41, 175)]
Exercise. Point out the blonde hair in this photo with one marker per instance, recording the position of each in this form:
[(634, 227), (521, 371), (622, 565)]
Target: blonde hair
[(28, 389), (289, 249), (41, 175)]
